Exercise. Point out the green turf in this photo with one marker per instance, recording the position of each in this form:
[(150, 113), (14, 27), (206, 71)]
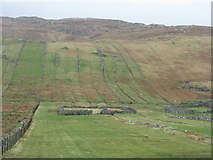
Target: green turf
[(99, 136)]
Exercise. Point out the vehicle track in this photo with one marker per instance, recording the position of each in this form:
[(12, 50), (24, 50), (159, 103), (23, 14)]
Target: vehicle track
[(166, 64), (138, 68), (114, 76), (133, 76), (140, 71), (129, 69), (103, 72)]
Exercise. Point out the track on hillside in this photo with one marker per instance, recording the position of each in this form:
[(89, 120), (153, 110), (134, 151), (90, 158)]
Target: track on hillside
[(131, 73), (102, 69)]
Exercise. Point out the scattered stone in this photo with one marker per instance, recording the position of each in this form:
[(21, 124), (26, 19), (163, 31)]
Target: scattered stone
[(196, 138), (193, 117)]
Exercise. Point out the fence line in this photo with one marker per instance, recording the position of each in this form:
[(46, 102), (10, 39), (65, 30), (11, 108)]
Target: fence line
[(10, 140)]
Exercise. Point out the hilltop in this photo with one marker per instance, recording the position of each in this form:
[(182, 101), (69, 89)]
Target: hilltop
[(34, 28)]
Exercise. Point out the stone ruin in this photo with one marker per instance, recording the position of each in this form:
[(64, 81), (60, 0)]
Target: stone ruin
[(94, 110), (187, 112)]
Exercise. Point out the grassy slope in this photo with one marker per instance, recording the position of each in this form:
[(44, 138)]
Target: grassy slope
[(135, 73), (21, 81), (167, 62)]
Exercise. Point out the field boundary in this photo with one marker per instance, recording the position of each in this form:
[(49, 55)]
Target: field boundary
[(14, 70), (9, 141), (115, 80), (103, 72)]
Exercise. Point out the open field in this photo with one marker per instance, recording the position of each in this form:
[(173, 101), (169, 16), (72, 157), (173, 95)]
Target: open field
[(146, 74), (102, 136)]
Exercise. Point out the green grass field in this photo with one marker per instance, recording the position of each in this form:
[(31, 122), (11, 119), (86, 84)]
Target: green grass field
[(142, 74), (101, 136)]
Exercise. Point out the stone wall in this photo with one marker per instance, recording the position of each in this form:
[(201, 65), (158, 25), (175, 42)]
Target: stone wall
[(67, 110), (181, 108), (187, 111), (10, 140)]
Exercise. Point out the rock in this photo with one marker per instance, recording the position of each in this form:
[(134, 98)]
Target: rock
[(196, 138), (65, 47), (187, 85)]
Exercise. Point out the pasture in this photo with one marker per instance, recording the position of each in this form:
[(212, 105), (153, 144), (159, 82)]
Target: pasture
[(143, 74), (102, 136)]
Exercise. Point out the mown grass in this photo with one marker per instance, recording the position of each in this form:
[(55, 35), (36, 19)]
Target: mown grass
[(99, 136), (201, 128)]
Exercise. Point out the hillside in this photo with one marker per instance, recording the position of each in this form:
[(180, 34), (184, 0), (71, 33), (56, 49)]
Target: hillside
[(34, 28), (96, 62)]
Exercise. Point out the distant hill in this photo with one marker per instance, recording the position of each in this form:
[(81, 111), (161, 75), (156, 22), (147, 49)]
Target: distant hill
[(34, 28)]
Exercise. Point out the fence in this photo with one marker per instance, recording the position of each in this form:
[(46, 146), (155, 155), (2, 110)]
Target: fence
[(9, 141)]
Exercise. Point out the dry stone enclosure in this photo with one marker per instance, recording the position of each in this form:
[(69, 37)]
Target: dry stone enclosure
[(92, 110)]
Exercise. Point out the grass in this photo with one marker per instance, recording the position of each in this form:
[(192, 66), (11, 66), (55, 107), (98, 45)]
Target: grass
[(163, 64), (11, 52), (200, 109), (98, 136), (142, 74), (199, 127)]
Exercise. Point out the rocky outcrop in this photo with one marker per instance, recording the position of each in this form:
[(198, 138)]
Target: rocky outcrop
[(35, 28), (188, 85)]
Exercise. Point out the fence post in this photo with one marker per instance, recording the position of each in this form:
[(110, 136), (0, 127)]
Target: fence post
[(1, 146), (19, 132), (13, 141), (6, 143), (15, 137)]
